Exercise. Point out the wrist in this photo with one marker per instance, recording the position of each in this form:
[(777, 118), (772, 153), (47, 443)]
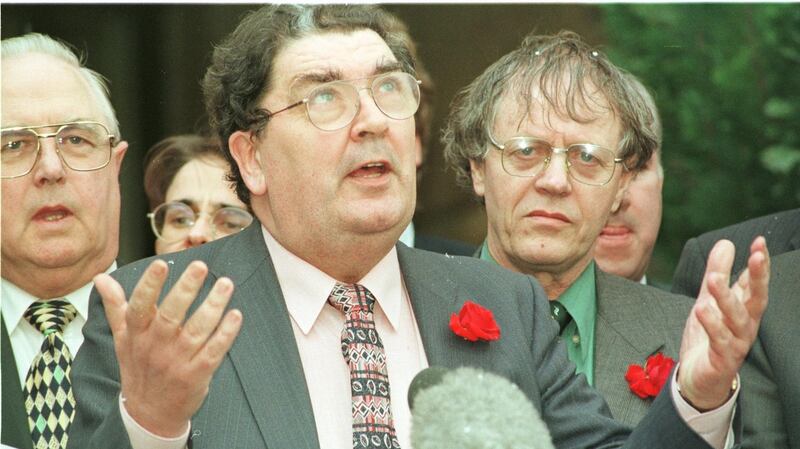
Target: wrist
[(704, 405), (151, 423)]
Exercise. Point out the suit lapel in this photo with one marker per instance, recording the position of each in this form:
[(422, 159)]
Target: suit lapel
[(434, 297), (15, 420), (265, 354), (621, 338)]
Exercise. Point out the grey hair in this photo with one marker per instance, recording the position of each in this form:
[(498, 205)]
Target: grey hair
[(241, 70), (570, 75), (655, 123), (46, 45)]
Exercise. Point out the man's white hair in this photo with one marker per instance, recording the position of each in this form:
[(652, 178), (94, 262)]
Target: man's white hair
[(40, 43)]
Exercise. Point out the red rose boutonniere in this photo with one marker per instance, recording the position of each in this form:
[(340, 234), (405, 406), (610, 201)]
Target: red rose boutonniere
[(648, 381), (474, 323)]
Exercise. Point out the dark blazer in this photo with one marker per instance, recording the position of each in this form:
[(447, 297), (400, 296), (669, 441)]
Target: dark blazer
[(258, 396), (782, 231), (634, 321), (15, 420), (770, 396)]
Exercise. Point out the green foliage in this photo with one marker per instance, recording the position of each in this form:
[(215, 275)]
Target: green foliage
[(726, 79)]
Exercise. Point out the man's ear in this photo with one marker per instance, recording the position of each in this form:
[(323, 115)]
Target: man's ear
[(242, 146), (117, 154), (418, 151), (624, 182), (477, 175)]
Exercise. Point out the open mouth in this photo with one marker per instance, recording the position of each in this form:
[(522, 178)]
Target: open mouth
[(371, 170), (52, 214)]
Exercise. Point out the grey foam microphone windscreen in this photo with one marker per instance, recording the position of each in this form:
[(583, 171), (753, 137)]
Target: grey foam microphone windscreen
[(467, 408)]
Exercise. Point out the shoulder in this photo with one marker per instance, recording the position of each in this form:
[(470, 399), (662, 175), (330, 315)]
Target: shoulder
[(742, 233), (618, 289)]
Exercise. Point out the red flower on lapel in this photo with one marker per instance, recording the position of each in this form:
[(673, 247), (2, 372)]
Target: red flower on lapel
[(648, 381), (474, 323)]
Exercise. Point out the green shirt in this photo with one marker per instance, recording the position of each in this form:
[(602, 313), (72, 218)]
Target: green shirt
[(580, 300)]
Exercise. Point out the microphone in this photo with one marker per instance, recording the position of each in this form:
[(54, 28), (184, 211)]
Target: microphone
[(467, 408)]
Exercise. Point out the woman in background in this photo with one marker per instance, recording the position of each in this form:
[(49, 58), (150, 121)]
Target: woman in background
[(191, 200)]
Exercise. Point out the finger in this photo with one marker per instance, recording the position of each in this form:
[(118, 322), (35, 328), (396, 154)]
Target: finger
[(720, 260), (719, 337), (732, 311), (209, 358), (758, 278), (142, 306), (114, 303), (205, 319), (183, 293)]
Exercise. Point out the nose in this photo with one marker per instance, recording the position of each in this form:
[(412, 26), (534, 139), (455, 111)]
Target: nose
[(554, 178), (370, 120), (201, 231), (48, 167)]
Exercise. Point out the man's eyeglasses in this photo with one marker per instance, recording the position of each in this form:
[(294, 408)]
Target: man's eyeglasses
[(82, 146), (172, 222), (586, 163), (331, 106)]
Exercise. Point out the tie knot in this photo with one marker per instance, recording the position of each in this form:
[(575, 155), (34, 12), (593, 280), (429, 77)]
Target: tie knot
[(50, 316), (350, 298)]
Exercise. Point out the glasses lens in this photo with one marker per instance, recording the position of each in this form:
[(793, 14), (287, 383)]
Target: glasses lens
[(18, 152), (230, 220), (173, 221), (525, 156), (396, 94), (331, 106), (84, 146), (590, 164)]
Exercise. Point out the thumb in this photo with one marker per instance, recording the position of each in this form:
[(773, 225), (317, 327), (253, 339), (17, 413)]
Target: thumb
[(114, 302)]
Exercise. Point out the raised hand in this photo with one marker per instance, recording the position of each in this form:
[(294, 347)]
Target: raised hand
[(722, 325), (166, 361)]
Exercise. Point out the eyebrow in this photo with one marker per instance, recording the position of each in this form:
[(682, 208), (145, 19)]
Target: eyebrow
[(300, 82), (193, 204)]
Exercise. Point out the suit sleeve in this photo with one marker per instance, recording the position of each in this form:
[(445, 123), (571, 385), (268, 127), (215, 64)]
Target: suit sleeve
[(95, 380), (688, 277)]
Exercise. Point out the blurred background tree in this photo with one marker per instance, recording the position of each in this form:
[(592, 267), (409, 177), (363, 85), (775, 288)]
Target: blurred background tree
[(726, 79)]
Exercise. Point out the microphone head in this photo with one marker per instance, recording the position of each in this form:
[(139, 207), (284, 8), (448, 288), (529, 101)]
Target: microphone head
[(472, 409), (424, 379)]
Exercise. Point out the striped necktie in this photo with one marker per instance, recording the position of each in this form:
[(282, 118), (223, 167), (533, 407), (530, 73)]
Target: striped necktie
[(373, 425), (49, 401)]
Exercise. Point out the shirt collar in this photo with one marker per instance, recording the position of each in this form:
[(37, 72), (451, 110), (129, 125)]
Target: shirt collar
[(16, 300), (485, 254), (306, 288), (580, 300), (407, 237)]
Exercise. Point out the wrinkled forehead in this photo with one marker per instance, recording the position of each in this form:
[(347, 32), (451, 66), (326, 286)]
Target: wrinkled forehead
[(545, 101), (39, 89), (331, 55)]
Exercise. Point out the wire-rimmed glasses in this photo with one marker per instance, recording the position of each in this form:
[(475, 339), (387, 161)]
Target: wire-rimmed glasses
[(585, 162), (82, 146), (173, 221), (334, 105)]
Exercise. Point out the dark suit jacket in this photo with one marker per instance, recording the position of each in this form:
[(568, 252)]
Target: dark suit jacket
[(634, 321), (15, 420), (782, 231), (443, 246), (770, 397), (258, 397)]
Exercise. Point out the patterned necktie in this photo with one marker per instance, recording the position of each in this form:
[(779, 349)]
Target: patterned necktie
[(560, 314), (373, 425), (48, 390)]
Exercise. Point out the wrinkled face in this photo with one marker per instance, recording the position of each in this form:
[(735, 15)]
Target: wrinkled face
[(313, 187), (55, 217), (549, 222), (626, 242), (201, 185)]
